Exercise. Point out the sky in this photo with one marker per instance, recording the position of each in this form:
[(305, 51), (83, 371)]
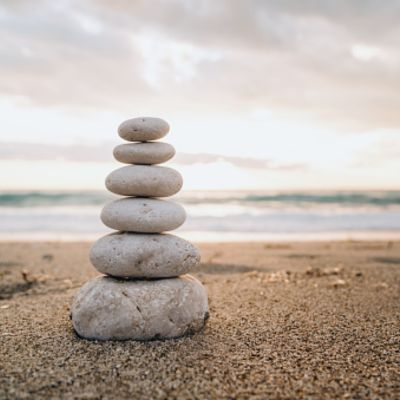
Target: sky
[(260, 95)]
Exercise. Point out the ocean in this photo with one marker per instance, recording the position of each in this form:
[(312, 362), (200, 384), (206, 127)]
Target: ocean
[(213, 216)]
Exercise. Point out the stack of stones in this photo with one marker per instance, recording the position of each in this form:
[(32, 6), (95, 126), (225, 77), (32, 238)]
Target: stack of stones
[(145, 294)]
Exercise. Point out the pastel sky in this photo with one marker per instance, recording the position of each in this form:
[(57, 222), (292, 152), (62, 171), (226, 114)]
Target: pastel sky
[(259, 94)]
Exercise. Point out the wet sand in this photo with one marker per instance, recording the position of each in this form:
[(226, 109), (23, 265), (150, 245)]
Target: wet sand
[(287, 320)]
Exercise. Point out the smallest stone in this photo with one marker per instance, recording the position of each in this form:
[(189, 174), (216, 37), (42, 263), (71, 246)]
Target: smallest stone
[(143, 129)]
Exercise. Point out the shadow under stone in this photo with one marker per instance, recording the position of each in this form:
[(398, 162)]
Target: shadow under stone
[(306, 256), (386, 260), (8, 264), (8, 290), (226, 269)]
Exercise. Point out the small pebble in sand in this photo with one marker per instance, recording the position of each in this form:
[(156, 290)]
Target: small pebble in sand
[(382, 285), (339, 283)]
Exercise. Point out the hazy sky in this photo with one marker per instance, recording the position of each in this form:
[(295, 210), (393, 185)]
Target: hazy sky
[(259, 94)]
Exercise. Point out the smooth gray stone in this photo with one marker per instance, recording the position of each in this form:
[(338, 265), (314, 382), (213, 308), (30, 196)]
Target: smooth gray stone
[(141, 255), (109, 309), (144, 181), (141, 214), (144, 153), (142, 129)]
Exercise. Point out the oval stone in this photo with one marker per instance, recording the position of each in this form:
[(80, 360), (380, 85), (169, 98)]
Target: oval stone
[(110, 309), (145, 181), (141, 255), (138, 214), (144, 153), (143, 129)]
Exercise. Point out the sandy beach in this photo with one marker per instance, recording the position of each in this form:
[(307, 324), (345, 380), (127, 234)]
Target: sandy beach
[(287, 320)]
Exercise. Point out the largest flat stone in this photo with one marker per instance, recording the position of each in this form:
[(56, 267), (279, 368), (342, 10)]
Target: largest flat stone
[(145, 181), (109, 309), (141, 255)]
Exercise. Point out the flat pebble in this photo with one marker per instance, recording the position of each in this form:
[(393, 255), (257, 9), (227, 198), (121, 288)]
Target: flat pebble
[(141, 255), (143, 129), (110, 309), (144, 180), (144, 153), (138, 214)]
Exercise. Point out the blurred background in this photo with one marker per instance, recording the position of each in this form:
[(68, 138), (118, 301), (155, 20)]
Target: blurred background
[(285, 114)]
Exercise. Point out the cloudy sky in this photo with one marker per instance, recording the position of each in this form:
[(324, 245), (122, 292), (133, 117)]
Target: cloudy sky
[(259, 94)]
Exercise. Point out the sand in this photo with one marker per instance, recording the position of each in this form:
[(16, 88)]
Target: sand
[(288, 320)]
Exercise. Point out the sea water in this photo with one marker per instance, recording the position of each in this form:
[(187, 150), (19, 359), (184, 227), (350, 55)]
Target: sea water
[(213, 216)]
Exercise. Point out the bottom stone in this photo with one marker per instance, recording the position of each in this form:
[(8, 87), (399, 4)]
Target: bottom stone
[(106, 308)]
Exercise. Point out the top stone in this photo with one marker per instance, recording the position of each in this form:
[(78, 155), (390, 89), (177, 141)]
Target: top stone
[(143, 129)]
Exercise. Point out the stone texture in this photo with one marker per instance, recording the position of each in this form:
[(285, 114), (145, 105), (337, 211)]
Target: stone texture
[(141, 255), (144, 180), (109, 309), (143, 129), (144, 153), (138, 214)]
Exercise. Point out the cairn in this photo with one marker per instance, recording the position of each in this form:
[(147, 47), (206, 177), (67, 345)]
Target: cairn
[(145, 293)]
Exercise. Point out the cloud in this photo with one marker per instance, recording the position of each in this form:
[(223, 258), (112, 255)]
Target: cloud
[(101, 154), (240, 162), (52, 152), (204, 56), (381, 151)]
